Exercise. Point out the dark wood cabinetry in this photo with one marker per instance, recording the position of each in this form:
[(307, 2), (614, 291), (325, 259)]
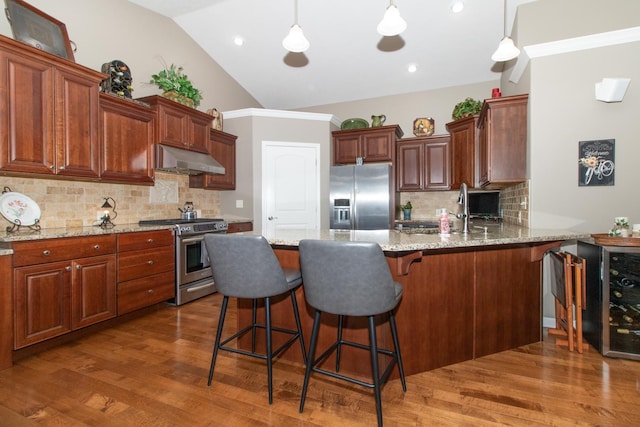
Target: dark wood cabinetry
[(376, 144), (238, 227), (146, 268), (463, 136), (423, 163), (49, 114), (60, 285), (178, 125), (222, 147), (502, 141), (127, 135)]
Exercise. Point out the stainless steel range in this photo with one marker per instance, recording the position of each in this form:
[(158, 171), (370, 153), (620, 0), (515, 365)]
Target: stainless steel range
[(193, 270)]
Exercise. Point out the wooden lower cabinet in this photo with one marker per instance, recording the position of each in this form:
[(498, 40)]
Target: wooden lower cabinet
[(146, 269), (238, 227), (54, 293)]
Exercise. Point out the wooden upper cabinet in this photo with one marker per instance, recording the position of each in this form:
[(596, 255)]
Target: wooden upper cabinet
[(463, 135), (178, 125), (502, 141), (127, 135), (222, 147), (423, 164), (376, 144), (49, 114)]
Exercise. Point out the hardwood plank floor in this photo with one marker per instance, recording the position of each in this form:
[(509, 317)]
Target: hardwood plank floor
[(152, 371)]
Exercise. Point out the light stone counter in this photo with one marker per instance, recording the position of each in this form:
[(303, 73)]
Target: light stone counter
[(53, 233), (399, 241)]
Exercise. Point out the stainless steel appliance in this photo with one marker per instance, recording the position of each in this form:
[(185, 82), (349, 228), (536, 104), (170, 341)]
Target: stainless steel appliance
[(360, 197), (193, 270)]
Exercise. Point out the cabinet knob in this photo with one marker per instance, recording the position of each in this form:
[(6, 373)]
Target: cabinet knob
[(150, 262), (61, 168), (78, 267), (46, 252), (52, 167), (96, 247), (150, 241), (68, 268), (150, 291)]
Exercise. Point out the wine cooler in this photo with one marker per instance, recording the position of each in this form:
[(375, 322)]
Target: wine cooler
[(611, 320)]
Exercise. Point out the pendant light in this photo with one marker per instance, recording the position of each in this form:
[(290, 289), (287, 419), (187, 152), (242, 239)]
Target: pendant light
[(392, 23), (295, 41), (507, 50)]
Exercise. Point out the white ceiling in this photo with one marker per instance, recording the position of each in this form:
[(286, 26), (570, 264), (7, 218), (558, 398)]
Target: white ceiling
[(348, 60)]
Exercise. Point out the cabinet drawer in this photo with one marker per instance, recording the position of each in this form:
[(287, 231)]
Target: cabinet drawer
[(51, 250), (140, 293), (144, 240), (136, 264), (238, 227)]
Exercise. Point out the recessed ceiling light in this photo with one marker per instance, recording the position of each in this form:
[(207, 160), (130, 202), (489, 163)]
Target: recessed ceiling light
[(239, 41), (456, 6), (412, 68)]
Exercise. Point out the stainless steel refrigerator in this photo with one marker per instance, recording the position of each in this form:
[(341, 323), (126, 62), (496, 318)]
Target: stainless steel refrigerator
[(361, 197)]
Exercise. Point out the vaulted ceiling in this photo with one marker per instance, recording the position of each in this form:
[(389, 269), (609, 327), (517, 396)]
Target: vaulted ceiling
[(348, 60)]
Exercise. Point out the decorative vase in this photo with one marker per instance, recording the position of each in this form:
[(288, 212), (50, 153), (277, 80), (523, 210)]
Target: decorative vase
[(407, 214), (180, 99)]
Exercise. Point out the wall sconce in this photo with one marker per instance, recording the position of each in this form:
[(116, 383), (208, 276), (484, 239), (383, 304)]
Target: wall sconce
[(108, 213), (611, 89)]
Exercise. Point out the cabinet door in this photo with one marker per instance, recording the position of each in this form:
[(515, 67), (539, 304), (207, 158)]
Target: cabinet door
[(199, 139), (222, 147), (127, 132), (377, 146), (483, 150), (41, 296), (410, 175), (27, 115), (93, 290), (436, 156), (463, 151), (345, 149), (77, 130), (173, 127)]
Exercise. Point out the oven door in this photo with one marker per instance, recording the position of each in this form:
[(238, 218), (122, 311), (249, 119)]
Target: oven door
[(193, 261)]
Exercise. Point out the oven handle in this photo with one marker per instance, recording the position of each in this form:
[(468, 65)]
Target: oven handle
[(199, 288), (192, 239)]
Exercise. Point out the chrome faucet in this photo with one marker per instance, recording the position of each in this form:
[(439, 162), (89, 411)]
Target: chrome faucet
[(463, 199)]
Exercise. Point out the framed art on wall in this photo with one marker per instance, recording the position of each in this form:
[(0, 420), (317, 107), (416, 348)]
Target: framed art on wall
[(35, 28), (596, 161)]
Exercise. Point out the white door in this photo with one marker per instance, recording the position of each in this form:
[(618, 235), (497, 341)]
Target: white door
[(290, 186)]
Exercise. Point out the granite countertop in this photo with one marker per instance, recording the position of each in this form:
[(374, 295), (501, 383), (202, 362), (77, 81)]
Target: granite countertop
[(411, 240), (53, 233)]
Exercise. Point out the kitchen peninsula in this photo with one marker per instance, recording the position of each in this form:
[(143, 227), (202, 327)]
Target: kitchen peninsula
[(465, 295)]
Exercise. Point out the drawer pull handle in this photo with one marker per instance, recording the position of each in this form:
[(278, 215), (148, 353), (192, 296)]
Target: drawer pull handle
[(150, 241), (150, 291), (46, 252), (96, 247), (150, 262)]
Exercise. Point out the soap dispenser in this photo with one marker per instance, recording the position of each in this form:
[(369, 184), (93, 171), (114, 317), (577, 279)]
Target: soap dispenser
[(443, 223)]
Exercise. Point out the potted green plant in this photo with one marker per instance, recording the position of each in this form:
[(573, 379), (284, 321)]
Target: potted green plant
[(176, 84), (406, 210), (466, 108)]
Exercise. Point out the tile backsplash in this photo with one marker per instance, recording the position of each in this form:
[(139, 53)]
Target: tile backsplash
[(514, 203), (75, 204)]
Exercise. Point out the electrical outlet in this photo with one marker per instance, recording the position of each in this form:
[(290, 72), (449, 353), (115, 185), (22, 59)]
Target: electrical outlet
[(239, 204), (519, 217)]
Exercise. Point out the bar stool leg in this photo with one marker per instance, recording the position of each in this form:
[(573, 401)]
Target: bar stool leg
[(339, 346), (254, 318), (267, 321), (296, 315), (375, 368), (223, 312), (311, 358), (396, 344)]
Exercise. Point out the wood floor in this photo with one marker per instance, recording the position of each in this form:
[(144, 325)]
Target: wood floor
[(152, 371)]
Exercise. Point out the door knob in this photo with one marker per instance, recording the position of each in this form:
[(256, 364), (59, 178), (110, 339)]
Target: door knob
[(271, 218)]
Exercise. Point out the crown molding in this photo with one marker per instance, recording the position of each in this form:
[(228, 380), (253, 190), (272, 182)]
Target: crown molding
[(593, 41), (280, 114)]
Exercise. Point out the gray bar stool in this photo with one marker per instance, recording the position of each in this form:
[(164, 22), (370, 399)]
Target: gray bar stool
[(350, 279), (246, 267)]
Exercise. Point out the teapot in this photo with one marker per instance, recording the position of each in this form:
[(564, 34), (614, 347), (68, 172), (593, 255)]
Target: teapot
[(378, 120), (188, 212)]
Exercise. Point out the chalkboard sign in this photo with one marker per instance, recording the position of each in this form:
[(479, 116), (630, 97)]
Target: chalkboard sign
[(596, 161)]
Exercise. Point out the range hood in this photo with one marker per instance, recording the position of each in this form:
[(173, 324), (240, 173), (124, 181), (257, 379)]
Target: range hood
[(185, 162)]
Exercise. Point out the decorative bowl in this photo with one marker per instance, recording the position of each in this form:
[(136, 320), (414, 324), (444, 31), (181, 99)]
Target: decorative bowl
[(354, 124)]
